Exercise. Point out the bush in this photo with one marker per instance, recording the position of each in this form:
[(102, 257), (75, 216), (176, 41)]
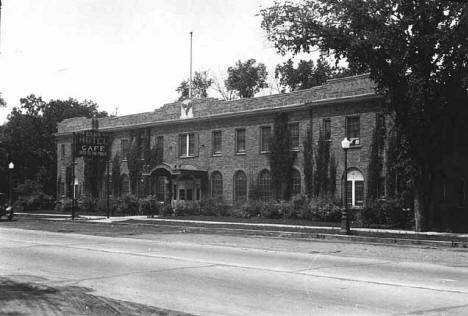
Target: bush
[(388, 212), (187, 208), (101, 206), (64, 205), (86, 203), (214, 207), (148, 206), (127, 205), (324, 210), (31, 197)]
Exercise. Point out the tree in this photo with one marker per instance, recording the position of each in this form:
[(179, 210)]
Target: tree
[(246, 78), (29, 137), (305, 76), (416, 53), (2, 102), (200, 84)]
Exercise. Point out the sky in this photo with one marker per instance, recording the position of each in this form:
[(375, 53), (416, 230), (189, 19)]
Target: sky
[(128, 56)]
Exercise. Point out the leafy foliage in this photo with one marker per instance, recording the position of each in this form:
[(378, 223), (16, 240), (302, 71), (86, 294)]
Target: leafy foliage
[(281, 157), (246, 78), (200, 85), (308, 145), (307, 75), (416, 53), (29, 138)]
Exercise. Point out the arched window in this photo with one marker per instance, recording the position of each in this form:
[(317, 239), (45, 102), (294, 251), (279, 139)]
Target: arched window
[(264, 186), (240, 186), (124, 185), (295, 184), (216, 184), (355, 188)]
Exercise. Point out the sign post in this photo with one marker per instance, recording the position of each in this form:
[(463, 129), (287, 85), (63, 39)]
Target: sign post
[(95, 145)]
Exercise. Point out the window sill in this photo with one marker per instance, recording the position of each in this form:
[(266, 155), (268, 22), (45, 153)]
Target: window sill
[(241, 154), (217, 155), (185, 157), (295, 149), (265, 152)]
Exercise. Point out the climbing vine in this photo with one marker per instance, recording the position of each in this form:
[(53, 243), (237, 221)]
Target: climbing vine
[(281, 157)]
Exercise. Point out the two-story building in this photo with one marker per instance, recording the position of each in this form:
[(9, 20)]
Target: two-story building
[(212, 148)]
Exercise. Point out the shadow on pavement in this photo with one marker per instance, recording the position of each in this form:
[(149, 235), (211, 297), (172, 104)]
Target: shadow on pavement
[(23, 295)]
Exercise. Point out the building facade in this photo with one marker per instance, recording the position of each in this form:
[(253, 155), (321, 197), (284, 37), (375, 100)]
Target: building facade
[(210, 148)]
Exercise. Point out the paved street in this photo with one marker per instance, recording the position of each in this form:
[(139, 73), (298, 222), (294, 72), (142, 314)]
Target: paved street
[(227, 275)]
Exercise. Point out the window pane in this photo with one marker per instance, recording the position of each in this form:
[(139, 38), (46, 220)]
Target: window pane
[(183, 145), (265, 134), (264, 185), (240, 140), (295, 183), (160, 146), (352, 127), (217, 141), (359, 193), (349, 193), (124, 148), (216, 184), (191, 144), (240, 186), (294, 135), (182, 194), (189, 195)]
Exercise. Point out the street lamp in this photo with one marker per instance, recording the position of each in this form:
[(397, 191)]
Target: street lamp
[(345, 143), (11, 166), (75, 187)]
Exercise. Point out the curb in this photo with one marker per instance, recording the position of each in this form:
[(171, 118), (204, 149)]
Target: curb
[(289, 231)]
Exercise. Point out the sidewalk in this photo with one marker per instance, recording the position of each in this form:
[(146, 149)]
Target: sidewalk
[(367, 235)]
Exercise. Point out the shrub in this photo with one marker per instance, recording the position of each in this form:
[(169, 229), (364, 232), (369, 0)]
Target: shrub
[(187, 208), (64, 205), (148, 206), (86, 203), (388, 212), (324, 210), (127, 205), (101, 206), (31, 197), (214, 207)]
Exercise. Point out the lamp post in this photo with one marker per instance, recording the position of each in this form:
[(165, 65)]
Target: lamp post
[(75, 186), (11, 166), (345, 143)]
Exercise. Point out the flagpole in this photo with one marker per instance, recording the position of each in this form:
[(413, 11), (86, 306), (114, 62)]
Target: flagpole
[(0, 26), (190, 81)]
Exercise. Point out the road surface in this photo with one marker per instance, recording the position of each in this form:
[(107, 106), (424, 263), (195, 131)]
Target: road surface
[(226, 275)]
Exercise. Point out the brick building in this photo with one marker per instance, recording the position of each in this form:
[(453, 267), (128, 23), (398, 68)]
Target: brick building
[(213, 148)]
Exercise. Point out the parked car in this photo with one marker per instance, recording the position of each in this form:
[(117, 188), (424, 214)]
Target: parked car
[(5, 208)]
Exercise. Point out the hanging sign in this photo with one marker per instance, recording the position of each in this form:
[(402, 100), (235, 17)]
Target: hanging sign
[(92, 144)]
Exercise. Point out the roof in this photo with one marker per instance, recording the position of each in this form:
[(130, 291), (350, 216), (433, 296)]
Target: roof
[(332, 91)]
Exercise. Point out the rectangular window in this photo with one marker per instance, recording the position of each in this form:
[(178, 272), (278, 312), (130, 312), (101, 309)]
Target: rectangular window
[(359, 194), (124, 148), (326, 129), (174, 192), (160, 146), (240, 140), (62, 147), (353, 128), (294, 136), (265, 136), (186, 145), (217, 143), (198, 194), (189, 195), (182, 195)]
